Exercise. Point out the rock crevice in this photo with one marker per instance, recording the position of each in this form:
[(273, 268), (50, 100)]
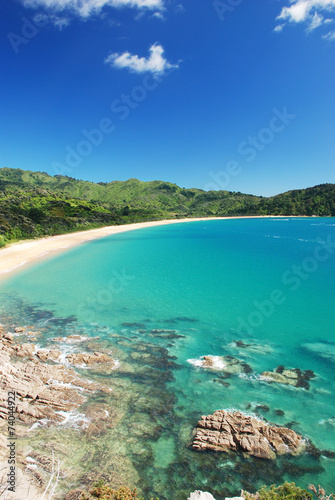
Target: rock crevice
[(234, 431)]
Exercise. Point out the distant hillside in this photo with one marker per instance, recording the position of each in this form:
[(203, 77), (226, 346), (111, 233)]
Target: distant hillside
[(33, 204)]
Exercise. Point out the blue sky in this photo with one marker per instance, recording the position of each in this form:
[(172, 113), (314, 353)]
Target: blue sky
[(230, 94)]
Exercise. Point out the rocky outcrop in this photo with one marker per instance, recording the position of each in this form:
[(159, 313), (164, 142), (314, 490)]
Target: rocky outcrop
[(24, 350), (43, 391), (28, 350), (294, 377), (19, 330), (46, 394), (86, 358), (228, 364), (45, 354), (233, 431)]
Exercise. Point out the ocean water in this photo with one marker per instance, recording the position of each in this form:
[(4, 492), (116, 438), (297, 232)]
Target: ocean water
[(161, 298)]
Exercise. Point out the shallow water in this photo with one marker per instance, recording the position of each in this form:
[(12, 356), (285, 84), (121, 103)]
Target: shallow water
[(161, 296)]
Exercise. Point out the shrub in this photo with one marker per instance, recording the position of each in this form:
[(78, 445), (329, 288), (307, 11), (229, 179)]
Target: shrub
[(286, 491), (105, 492)]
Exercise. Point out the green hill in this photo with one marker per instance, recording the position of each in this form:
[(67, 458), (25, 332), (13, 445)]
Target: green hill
[(34, 204)]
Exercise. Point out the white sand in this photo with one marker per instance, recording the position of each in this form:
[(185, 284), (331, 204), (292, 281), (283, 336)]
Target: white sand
[(19, 255)]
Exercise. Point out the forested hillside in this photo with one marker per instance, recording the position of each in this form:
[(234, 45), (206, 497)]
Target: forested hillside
[(34, 204)]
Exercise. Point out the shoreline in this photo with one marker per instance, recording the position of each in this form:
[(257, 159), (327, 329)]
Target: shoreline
[(27, 487), (23, 253)]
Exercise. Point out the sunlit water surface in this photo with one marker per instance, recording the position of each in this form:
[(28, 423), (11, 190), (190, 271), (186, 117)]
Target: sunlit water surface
[(206, 283)]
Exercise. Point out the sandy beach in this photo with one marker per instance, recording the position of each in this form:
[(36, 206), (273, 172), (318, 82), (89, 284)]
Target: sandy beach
[(23, 253)]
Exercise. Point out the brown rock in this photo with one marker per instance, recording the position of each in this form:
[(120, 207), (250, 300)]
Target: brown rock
[(19, 329), (294, 377), (86, 358), (228, 364), (9, 336), (207, 362), (32, 334), (44, 355), (225, 431), (42, 390), (24, 350)]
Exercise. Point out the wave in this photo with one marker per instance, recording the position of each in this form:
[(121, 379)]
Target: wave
[(323, 224), (77, 421), (218, 363)]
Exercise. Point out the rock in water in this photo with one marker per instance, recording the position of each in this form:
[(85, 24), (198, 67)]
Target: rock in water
[(228, 364), (86, 358), (294, 377), (234, 431)]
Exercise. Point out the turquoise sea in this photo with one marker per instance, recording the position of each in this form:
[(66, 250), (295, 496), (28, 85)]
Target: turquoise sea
[(162, 296)]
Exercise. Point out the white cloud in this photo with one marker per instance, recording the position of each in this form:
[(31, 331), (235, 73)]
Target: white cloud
[(329, 36), (86, 8), (155, 63), (279, 28), (308, 12), (60, 22), (43, 18), (158, 15), (316, 21), (296, 13)]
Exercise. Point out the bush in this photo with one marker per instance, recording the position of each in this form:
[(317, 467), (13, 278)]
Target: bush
[(105, 492), (286, 491), (2, 241)]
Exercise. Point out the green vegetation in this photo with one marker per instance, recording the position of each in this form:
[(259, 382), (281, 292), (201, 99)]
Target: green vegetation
[(103, 491), (34, 204), (286, 491)]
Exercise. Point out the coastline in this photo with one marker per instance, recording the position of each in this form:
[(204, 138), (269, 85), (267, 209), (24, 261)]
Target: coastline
[(20, 255), (28, 485)]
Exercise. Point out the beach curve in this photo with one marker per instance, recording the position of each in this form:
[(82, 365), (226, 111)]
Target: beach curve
[(25, 252)]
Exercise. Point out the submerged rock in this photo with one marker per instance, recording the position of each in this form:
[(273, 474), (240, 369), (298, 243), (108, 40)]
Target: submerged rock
[(251, 346), (162, 330), (19, 329), (325, 350), (234, 431), (294, 377)]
